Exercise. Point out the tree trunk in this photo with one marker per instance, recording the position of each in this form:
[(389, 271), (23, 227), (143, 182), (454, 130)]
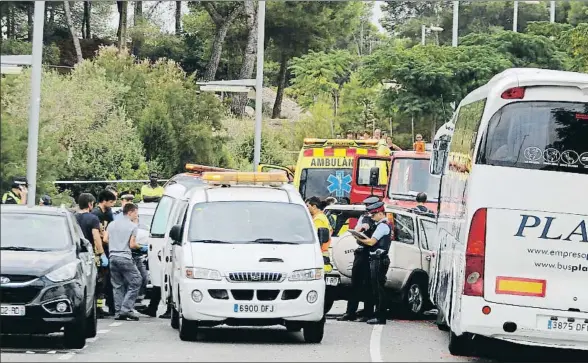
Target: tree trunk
[(217, 49), (136, 20), (12, 27), (72, 30), (122, 25), (178, 17), (30, 22), (240, 100), (222, 24), (86, 34), (277, 111)]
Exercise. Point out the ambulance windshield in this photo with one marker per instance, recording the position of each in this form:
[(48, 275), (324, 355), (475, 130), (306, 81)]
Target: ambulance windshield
[(325, 183)]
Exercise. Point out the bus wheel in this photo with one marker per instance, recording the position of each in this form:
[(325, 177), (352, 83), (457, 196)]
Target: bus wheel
[(462, 345)]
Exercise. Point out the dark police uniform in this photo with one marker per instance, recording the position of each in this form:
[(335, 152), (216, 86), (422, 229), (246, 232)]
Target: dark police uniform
[(379, 263), (360, 273)]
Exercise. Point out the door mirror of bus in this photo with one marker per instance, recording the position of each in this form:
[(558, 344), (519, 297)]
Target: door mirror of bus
[(176, 234), (374, 176), (323, 235)]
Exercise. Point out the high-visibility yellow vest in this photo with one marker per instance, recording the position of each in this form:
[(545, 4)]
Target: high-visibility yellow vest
[(10, 194), (148, 191)]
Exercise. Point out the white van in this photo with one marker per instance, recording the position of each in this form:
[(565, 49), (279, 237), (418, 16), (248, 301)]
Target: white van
[(246, 253), (512, 229), (163, 219)]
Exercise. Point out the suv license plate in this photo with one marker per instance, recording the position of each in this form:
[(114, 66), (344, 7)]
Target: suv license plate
[(332, 281), (253, 308), (12, 310), (562, 325)]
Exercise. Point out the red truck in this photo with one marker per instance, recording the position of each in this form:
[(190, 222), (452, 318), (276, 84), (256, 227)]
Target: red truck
[(400, 176)]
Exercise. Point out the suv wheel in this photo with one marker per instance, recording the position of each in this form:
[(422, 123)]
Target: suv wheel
[(416, 298), (92, 322), (75, 333), (188, 330), (313, 332)]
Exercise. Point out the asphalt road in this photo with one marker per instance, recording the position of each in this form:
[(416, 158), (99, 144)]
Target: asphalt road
[(153, 340)]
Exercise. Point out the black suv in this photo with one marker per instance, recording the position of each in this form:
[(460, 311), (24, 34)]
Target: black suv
[(47, 274)]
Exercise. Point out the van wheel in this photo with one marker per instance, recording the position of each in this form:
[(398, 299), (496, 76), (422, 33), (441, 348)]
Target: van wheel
[(175, 318), (313, 332), (75, 333), (92, 322), (329, 301), (188, 330), (462, 345), (416, 298)]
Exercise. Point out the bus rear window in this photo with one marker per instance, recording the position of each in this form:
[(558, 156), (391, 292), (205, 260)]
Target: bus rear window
[(538, 135)]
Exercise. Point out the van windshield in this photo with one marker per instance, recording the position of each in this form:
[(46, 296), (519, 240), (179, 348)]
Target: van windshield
[(538, 135), (410, 177), (248, 222)]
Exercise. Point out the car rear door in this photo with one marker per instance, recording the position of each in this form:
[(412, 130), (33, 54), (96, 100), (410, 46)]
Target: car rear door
[(405, 251)]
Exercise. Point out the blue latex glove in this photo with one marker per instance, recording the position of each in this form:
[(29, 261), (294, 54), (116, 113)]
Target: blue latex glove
[(104, 261), (144, 248)]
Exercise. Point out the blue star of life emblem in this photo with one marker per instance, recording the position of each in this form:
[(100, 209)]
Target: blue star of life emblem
[(339, 183)]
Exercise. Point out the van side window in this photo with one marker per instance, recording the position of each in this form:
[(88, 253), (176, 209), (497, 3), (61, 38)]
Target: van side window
[(464, 137), (403, 228), (161, 216)]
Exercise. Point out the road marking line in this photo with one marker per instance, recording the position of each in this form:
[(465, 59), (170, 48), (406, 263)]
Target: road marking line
[(29, 352), (116, 324), (52, 352), (375, 344), (103, 331), (67, 356)]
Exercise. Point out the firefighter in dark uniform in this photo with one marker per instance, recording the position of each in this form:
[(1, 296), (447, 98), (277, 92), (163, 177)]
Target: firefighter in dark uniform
[(360, 272), (379, 246)]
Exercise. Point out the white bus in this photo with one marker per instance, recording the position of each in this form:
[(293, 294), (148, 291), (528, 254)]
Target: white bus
[(512, 230)]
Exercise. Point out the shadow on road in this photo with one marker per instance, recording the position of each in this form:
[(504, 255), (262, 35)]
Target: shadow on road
[(225, 335), (509, 352), (33, 343)]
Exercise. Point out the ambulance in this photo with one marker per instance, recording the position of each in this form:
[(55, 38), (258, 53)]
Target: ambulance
[(324, 167)]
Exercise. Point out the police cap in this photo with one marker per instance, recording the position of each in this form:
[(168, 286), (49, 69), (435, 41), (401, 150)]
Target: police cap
[(375, 208), (371, 200)]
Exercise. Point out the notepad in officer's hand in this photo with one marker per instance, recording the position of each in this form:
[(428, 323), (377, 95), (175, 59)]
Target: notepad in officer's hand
[(358, 235)]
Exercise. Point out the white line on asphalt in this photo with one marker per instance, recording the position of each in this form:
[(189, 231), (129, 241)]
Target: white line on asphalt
[(103, 331), (29, 352), (67, 356), (116, 324), (375, 344), (52, 352)]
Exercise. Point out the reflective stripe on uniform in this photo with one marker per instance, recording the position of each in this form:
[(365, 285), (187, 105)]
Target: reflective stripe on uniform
[(11, 195), (148, 191)]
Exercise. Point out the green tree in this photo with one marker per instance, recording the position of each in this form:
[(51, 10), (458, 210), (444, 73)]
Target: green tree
[(296, 27)]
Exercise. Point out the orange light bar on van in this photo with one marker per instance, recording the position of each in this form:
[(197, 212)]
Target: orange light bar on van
[(244, 178), (520, 286), (197, 168)]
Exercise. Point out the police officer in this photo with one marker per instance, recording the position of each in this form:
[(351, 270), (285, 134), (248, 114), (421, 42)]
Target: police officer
[(45, 201), (152, 192), (360, 272), (17, 193), (378, 246)]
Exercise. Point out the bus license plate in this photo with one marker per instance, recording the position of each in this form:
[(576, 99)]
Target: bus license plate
[(253, 308), (332, 281), (564, 325), (12, 310)]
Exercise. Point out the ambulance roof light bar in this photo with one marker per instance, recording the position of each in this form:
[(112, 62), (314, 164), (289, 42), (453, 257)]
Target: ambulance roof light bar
[(310, 142), (245, 178)]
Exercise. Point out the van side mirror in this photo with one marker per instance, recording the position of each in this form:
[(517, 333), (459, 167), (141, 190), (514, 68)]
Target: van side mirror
[(374, 176), (438, 157), (85, 245), (175, 234), (323, 235)]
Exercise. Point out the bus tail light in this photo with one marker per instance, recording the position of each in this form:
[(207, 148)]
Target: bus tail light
[(475, 255), (516, 93)]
